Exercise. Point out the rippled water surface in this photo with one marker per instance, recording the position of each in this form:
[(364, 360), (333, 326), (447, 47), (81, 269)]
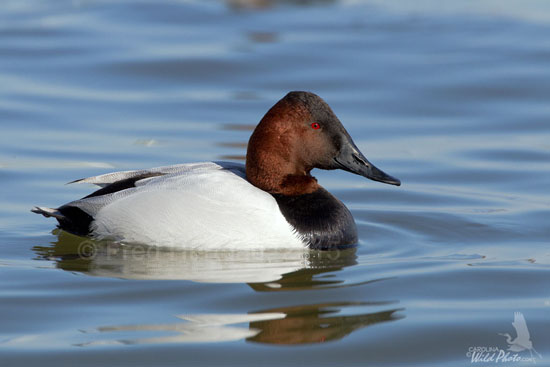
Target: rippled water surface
[(453, 100)]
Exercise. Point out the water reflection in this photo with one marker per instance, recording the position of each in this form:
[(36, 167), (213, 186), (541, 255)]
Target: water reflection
[(239, 127), (266, 4), (234, 157), (241, 146), (319, 323), (263, 270), (262, 37), (302, 324)]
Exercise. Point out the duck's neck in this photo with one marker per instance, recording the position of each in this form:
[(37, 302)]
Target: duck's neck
[(293, 185), (277, 175), (276, 181)]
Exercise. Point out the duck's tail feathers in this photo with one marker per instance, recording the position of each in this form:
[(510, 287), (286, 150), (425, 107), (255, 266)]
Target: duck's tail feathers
[(48, 212), (71, 218)]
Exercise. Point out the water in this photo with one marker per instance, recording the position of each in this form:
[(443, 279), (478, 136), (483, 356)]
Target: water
[(451, 99)]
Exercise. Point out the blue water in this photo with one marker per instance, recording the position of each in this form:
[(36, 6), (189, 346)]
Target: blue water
[(450, 98)]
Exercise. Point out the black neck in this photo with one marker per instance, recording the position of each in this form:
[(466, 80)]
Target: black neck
[(322, 221)]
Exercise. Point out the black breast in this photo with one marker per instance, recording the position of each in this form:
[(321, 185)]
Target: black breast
[(323, 221)]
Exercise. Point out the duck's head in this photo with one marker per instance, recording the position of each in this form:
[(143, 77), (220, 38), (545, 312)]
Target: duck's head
[(299, 133)]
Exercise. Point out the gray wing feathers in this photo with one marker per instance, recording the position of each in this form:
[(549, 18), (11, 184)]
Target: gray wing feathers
[(92, 205), (109, 178)]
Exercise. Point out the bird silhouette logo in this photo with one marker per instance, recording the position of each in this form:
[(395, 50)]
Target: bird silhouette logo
[(523, 339)]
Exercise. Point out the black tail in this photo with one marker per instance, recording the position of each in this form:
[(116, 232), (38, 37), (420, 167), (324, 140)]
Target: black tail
[(70, 218)]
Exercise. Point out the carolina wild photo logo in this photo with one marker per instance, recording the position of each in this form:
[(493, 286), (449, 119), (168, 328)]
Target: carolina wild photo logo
[(517, 347)]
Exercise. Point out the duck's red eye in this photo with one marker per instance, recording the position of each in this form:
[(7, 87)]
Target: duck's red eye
[(315, 125)]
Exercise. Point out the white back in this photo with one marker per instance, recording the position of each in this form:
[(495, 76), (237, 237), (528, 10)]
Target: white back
[(196, 206)]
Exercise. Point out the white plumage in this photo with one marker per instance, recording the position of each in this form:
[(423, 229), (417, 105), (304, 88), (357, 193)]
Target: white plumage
[(198, 206)]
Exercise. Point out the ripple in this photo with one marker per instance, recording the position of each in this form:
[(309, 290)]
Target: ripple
[(511, 155)]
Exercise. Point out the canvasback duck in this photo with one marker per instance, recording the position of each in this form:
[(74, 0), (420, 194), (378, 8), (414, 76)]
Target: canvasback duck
[(271, 202)]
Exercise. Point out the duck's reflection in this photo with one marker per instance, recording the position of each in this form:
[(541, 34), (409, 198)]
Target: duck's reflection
[(304, 324), (264, 271), (319, 323)]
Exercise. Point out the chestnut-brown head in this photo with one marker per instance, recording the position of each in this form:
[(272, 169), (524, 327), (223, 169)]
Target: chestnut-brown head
[(299, 133)]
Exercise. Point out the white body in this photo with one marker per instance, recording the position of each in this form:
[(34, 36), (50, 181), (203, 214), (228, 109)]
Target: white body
[(194, 206)]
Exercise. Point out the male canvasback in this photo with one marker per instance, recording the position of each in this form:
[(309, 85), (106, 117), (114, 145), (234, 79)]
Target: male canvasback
[(272, 202)]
